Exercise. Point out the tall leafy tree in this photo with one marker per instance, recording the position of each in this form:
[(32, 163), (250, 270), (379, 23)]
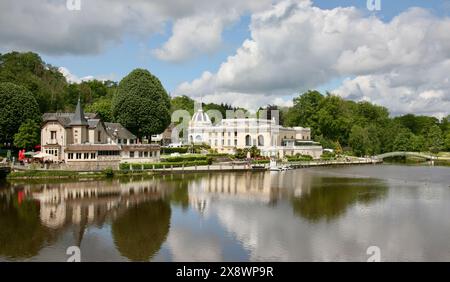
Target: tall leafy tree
[(403, 141), (17, 105), (359, 140), (304, 111), (44, 81), (435, 141), (182, 103), (28, 135), (447, 142), (142, 104), (102, 107)]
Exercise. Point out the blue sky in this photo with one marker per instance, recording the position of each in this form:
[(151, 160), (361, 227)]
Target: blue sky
[(132, 53)]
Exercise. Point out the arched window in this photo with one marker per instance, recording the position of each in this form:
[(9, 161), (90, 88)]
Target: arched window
[(248, 140), (260, 140), (198, 138)]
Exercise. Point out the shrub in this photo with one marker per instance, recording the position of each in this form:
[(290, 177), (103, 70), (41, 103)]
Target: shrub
[(260, 161), (108, 172), (300, 158), (181, 150), (327, 156), (126, 166)]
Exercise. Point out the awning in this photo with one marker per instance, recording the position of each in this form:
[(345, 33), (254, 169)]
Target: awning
[(42, 155)]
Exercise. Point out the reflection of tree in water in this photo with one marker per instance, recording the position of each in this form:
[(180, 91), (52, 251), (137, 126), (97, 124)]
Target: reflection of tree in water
[(21, 232), (331, 197), (141, 230)]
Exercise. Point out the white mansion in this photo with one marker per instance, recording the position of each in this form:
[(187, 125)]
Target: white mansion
[(84, 141), (230, 134)]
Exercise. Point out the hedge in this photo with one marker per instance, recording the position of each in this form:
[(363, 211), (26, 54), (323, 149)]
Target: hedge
[(260, 161), (181, 150), (126, 166), (186, 158), (302, 158)]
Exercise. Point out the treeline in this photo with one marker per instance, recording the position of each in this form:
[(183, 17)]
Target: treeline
[(365, 128), (29, 87)]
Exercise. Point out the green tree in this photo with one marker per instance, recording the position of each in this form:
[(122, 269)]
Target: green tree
[(103, 108), (447, 142), (45, 82), (435, 141), (403, 141), (418, 143), (28, 135), (359, 140), (338, 148), (304, 111), (334, 118), (182, 103), (17, 105), (142, 104)]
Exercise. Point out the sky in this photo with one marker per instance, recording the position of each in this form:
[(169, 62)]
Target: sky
[(248, 53)]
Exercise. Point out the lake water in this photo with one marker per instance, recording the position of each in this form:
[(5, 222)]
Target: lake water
[(317, 214)]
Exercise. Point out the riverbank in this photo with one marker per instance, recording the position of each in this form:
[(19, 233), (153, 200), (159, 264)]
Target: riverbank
[(175, 168), (142, 169)]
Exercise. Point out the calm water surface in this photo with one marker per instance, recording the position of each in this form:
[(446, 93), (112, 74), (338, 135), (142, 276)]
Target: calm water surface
[(320, 214)]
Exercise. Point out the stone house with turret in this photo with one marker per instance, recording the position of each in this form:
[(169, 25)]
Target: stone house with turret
[(84, 142)]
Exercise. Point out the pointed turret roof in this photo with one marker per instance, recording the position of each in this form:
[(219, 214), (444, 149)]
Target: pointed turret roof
[(78, 117)]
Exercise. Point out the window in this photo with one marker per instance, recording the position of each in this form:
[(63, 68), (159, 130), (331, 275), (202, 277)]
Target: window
[(92, 155), (86, 156), (131, 154), (78, 156), (260, 140), (235, 142), (248, 140), (119, 141), (70, 156), (145, 154), (131, 141), (108, 153), (53, 135), (99, 136), (56, 153), (141, 154)]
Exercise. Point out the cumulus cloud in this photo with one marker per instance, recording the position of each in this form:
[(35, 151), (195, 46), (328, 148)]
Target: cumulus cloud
[(295, 46), (72, 78), (49, 27)]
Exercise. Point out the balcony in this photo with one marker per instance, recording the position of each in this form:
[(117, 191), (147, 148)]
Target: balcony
[(52, 142)]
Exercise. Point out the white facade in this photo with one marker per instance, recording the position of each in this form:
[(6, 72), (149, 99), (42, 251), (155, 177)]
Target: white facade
[(272, 139)]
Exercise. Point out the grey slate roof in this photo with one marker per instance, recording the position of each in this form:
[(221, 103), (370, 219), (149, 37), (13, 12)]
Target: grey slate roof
[(116, 130), (93, 123), (65, 118), (78, 117)]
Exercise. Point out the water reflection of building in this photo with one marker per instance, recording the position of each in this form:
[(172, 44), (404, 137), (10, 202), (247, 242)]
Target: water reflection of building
[(91, 202), (265, 188)]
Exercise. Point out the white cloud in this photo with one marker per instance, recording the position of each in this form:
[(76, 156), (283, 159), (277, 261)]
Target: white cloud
[(72, 78), (295, 46), (191, 36), (49, 27)]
